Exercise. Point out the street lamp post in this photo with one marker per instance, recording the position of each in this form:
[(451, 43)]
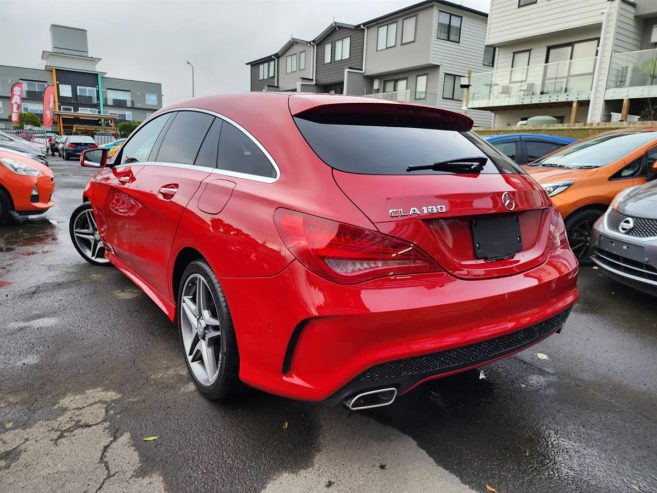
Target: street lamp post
[(192, 66)]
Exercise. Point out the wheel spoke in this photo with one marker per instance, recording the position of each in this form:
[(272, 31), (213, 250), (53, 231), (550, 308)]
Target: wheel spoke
[(95, 247), (207, 353), (212, 334), (194, 351), (85, 236), (200, 295), (91, 220), (190, 311)]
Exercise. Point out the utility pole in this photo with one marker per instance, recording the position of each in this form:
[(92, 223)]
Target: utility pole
[(192, 66)]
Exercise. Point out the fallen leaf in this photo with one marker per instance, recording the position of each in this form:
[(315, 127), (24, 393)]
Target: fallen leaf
[(285, 425), (542, 356), (150, 439), (482, 375), (635, 487), (490, 489)]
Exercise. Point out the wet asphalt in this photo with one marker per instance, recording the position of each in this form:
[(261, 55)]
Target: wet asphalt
[(90, 367)]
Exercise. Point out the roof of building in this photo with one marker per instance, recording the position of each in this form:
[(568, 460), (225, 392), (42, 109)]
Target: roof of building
[(283, 49), (423, 4), (333, 26)]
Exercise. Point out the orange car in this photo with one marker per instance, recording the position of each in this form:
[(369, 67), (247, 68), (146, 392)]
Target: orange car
[(583, 178), (26, 186)]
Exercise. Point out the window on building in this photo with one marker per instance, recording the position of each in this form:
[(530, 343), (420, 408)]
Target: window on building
[(117, 97), (87, 94), (266, 70), (151, 99), (342, 48), (237, 152), (386, 36), (408, 29), (140, 145), (291, 63), (327, 53), (261, 71), (302, 60), (452, 87), (421, 86), (65, 91), (183, 139), (89, 111), (519, 64), (489, 56), (66, 109), (32, 108), (449, 27), (522, 3), (395, 85), (272, 66), (33, 89)]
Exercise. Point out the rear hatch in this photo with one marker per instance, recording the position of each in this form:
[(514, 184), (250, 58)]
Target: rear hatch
[(418, 174)]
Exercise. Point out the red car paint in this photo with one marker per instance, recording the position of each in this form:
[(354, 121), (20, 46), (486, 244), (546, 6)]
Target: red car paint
[(301, 333)]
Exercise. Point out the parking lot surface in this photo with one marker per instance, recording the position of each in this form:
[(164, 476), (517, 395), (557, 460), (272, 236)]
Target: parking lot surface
[(94, 395)]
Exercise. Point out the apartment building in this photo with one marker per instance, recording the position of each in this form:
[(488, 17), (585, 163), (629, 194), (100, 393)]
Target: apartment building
[(584, 61), (422, 53), (86, 100)]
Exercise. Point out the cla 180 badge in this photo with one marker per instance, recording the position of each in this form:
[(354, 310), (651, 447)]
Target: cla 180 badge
[(418, 211)]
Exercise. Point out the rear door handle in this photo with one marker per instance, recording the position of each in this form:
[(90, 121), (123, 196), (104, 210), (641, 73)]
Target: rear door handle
[(168, 191)]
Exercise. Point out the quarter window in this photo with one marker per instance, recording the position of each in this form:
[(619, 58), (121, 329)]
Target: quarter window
[(139, 147), (183, 139), (386, 36), (207, 155), (449, 27), (408, 29), (452, 87), (238, 153)]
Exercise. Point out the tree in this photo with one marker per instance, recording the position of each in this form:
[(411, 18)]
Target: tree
[(126, 128), (28, 119)]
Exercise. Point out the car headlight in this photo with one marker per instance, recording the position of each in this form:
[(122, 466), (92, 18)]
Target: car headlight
[(553, 189), (20, 168), (621, 195)]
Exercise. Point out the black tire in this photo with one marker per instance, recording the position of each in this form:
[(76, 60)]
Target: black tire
[(579, 227), (5, 206), (227, 382), (83, 209)]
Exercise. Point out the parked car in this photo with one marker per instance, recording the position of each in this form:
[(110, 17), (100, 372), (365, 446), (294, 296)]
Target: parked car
[(26, 185), (73, 145), (525, 148), (37, 147), (12, 145), (113, 146), (625, 238), (582, 179), (383, 244)]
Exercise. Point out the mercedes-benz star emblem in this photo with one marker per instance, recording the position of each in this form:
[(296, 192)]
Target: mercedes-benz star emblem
[(626, 225), (508, 201)]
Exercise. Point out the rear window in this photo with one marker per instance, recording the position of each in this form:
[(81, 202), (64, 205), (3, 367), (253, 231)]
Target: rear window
[(81, 139), (388, 149)]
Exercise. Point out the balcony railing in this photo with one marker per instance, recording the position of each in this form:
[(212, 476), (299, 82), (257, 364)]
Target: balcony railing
[(536, 84), (428, 98), (632, 74)]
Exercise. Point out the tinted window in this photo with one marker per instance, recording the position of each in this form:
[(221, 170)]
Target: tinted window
[(536, 150), (508, 148), (184, 137), (599, 151), (207, 155), (138, 148), (389, 150), (81, 139), (237, 152)]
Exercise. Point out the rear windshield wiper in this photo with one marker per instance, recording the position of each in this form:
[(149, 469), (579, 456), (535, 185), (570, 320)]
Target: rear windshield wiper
[(463, 165)]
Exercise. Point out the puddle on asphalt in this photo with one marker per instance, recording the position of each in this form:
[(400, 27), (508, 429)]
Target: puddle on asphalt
[(26, 233)]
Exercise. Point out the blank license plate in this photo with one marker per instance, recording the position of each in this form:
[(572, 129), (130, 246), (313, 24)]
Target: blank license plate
[(496, 238)]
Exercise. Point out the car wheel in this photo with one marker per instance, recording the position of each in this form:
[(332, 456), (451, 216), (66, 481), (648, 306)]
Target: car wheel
[(207, 336), (5, 206), (579, 227), (84, 234)]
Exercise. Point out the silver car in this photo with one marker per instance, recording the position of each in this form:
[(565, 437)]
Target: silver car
[(625, 238)]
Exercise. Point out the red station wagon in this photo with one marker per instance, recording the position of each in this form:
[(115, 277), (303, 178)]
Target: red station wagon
[(328, 248)]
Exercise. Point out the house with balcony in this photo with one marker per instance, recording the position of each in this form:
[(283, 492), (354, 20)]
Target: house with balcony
[(423, 54), (584, 61)]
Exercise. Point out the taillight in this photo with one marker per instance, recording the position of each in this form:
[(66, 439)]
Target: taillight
[(348, 254), (558, 235), (70, 145)]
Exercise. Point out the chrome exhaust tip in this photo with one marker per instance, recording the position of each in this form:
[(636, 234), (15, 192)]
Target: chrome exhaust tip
[(371, 399)]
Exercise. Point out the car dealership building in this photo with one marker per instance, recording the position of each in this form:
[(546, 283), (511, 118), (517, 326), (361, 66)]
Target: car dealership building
[(86, 100)]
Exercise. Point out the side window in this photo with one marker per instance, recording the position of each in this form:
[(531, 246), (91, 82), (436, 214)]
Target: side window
[(239, 153), (651, 160), (183, 139), (631, 169), (207, 155), (536, 149), (141, 144), (508, 148)]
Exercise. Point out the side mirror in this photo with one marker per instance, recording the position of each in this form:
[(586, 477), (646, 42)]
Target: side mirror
[(93, 158), (654, 167)]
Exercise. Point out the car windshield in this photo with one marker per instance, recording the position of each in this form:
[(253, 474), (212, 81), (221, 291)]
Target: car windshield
[(82, 140), (599, 151)]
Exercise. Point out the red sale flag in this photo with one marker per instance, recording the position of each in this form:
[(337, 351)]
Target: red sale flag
[(48, 105), (15, 102)]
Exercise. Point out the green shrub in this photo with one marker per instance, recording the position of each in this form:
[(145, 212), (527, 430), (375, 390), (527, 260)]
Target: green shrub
[(126, 128), (28, 119)]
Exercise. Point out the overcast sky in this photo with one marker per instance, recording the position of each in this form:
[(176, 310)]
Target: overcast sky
[(151, 39)]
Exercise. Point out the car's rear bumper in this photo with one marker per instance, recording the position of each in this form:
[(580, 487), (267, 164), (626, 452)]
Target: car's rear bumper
[(303, 337)]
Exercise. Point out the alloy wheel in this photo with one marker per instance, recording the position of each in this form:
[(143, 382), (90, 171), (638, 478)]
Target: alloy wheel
[(85, 234), (580, 239), (200, 329)]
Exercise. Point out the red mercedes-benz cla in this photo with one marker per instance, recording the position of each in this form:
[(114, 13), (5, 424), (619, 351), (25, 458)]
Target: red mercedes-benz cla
[(328, 248)]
